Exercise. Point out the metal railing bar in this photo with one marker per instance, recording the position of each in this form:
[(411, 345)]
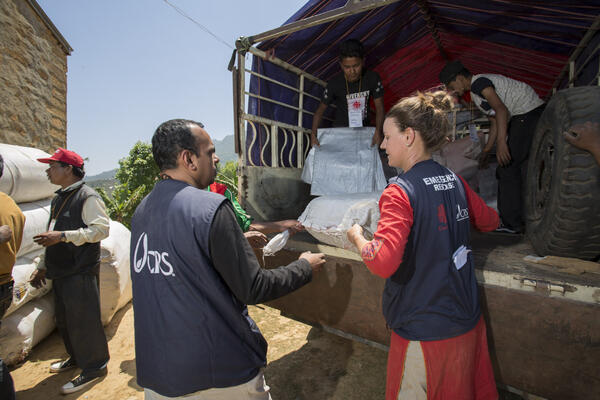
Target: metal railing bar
[(282, 84), (284, 65), (285, 85), (350, 8), (256, 118), (254, 137)]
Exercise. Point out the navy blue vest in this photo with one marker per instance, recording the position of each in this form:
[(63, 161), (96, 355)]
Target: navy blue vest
[(64, 258), (191, 333), (428, 298)]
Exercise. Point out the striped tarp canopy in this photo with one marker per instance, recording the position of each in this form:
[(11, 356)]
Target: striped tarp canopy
[(409, 41)]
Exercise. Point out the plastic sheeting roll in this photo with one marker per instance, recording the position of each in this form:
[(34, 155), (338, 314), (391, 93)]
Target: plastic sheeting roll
[(37, 214), (25, 328), (24, 178), (327, 218), (115, 276), (23, 292)]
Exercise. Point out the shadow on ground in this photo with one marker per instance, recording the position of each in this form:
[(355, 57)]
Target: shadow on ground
[(328, 367)]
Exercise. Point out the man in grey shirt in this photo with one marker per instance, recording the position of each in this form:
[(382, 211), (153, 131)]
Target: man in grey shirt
[(513, 108)]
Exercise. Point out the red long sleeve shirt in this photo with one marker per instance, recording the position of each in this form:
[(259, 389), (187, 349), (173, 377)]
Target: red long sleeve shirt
[(383, 254)]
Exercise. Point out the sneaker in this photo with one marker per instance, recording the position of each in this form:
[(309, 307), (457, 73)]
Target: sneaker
[(62, 366), (506, 229), (82, 381)]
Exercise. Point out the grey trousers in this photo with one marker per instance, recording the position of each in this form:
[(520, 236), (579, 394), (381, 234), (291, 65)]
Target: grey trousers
[(77, 310), (254, 389)]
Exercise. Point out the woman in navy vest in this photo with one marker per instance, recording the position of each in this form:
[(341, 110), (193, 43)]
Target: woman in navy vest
[(422, 248)]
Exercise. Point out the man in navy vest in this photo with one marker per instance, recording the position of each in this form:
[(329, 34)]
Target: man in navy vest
[(193, 273), (78, 222)]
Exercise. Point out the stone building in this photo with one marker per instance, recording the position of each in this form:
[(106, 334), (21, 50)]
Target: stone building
[(33, 77)]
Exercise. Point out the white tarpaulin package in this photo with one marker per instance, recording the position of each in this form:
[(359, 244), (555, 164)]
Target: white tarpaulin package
[(37, 214), (23, 292), (345, 162), (115, 275), (460, 156), (24, 178), (25, 328), (327, 218)]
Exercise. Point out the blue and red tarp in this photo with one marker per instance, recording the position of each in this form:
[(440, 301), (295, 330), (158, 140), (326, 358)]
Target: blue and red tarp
[(530, 41)]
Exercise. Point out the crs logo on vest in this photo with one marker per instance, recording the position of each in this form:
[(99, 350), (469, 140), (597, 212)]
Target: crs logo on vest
[(155, 260)]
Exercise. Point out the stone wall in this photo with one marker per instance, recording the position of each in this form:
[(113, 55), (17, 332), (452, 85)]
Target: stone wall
[(33, 80)]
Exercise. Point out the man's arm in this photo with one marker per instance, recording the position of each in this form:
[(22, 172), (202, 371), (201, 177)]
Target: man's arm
[(379, 117), (317, 118), (492, 134), (587, 137), (236, 262), (93, 215), (502, 153), (277, 226), (5, 233)]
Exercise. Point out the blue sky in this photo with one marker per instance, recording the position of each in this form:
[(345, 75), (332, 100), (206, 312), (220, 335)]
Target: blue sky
[(137, 63)]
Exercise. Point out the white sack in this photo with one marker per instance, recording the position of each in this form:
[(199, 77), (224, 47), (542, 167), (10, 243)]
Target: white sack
[(345, 162), (25, 328), (23, 292), (24, 178), (37, 214), (461, 157), (115, 278), (307, 171), (327, 218)]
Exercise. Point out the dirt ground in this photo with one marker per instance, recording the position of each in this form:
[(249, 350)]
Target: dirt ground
[(303, 363)]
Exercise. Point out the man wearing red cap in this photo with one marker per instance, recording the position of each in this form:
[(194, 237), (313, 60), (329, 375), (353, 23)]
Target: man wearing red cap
[(78, 222)]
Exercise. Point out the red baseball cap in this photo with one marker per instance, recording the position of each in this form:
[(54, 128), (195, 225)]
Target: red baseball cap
[(66, 156)]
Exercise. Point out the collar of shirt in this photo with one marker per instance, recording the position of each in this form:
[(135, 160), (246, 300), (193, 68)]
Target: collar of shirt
[(70, 187)]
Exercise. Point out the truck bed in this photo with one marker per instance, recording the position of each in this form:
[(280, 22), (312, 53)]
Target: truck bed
[(543, 317)]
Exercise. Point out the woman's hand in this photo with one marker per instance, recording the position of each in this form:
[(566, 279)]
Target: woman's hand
[(354, 233)]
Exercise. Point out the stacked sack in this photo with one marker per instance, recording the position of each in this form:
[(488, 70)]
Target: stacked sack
[(346, 173), (30, 318)]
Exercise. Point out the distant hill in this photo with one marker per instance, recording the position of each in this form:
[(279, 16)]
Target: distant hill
[(225, 149), (106, 175)]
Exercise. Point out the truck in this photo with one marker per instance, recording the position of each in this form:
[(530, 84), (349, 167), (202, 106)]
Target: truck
[(540, 292)]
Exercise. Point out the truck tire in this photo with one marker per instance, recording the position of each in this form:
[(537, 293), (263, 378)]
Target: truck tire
[(562, 193)]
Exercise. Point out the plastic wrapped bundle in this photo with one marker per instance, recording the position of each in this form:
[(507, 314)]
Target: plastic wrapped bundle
[(37, 214), (115, 276), (461, 157), (327, 218), (23, 292), (25, 328), (345, 162)]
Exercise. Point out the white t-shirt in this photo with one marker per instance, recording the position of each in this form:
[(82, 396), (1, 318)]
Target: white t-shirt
[(518, 97)]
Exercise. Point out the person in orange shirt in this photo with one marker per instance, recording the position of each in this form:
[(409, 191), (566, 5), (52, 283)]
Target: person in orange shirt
[(12, 222)]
